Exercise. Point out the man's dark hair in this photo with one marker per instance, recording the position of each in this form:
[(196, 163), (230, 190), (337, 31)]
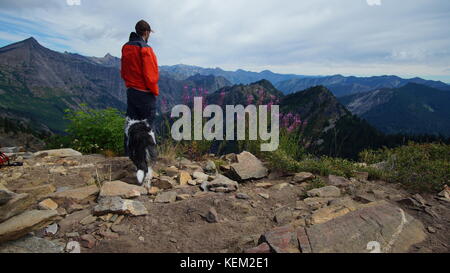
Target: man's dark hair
[(141, 27)]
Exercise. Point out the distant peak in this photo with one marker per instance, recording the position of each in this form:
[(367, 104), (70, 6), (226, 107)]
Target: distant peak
[(108, 56), (265, 83), (266, 71), (30, 40)]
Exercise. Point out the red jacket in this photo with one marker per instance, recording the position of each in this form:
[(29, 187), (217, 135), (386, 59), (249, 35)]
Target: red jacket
[(139, 66)]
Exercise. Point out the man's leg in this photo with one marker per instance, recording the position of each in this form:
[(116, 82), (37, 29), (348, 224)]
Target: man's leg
[(131, 114), (148, 111)]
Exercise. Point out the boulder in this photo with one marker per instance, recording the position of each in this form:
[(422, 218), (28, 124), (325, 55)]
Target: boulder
[(200, 176), (220, 184), (164, 183), (380, 222), (247, 167), (118, 205), (26, 222), (121, 189), (48, 204), (183, 178), (338, 181), (302, 177), (78, 195), (59, 153), (328, 191), (210, 167)]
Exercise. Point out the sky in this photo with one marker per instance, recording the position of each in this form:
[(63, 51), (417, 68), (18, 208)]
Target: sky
[(308, 37)]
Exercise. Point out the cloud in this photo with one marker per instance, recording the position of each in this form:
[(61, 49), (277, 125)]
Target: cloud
[(304, 37), (374, 2)]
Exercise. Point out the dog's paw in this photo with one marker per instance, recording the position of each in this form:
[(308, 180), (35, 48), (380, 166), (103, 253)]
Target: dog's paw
[(140, 176)]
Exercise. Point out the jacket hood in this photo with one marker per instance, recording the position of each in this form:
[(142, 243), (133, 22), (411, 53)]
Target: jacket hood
[(135, 37)]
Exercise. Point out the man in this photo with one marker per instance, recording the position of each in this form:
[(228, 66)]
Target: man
[(139, 70)]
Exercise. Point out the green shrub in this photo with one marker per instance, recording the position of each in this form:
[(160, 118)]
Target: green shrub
[(322, 166), (93, 131), (420, 167)]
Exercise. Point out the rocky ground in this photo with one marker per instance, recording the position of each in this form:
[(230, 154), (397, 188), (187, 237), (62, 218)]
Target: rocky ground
[(62, 201)]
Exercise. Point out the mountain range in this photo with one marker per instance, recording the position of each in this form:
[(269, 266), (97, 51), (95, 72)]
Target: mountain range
[(37, 84), (341, 86), (410, 109)]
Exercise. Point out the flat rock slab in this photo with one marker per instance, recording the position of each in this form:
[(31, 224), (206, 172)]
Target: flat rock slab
[(118, 205), (32, 244), (325, 214), (248, 167), (72, 220), (121, 189), (78, 195), (38, 192), (328, 191), (59, 153), (380, 222), (166, 197), (338, 181), (5, 196), (24, 223), (18, 204)]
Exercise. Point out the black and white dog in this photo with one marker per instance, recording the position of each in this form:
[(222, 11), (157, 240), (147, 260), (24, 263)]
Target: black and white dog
[(140, 144)]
